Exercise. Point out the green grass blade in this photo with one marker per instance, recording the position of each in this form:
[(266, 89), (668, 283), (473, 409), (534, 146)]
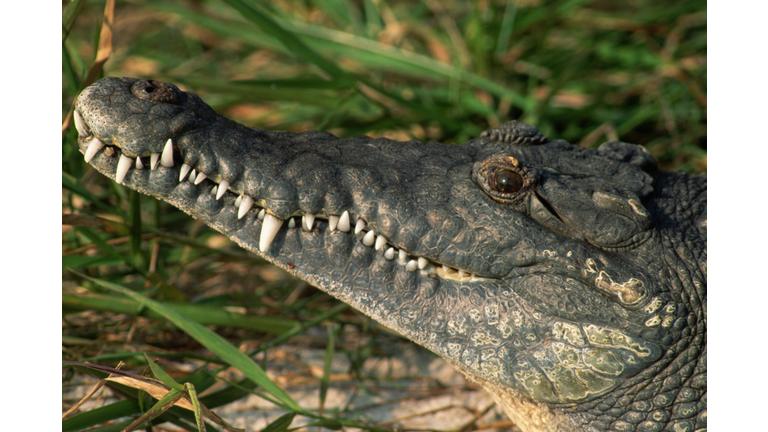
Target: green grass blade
[(376, 55), (190, 389), (135, 234), (79, 261), (370, 54), (327, 360), (280, 424), (291, 42), (324, 423), (205, 315), (100, 415), (100, 243), (161, 375), (68, 182), (115, 427), (340, 10), (208, 339), (73, 81), (162, 405), (507, 24), (70, 16), (228, 394)]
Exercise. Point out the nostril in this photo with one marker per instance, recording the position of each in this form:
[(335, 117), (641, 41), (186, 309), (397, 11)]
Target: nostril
[(156, 92)]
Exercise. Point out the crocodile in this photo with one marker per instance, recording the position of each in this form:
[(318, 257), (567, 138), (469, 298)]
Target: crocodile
[(569, 282)]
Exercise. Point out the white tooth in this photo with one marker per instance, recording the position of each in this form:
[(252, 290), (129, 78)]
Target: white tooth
[(292, 223), (192, 176), (215, 190), (185, 169), (344, 222), (93, 148), (200, 178), (461, 273), (166, 159), (390, 254), (402, 255), (333, 221), (222, 188), (139, 165), (123, 165), (381, 241), (423, 262), (268, 231), (244, 206), (412, 265), (359, 226), (238, 201), (307, 221), (368, 238), (82, 130), (153, 158), (261, 214), (446, 268)]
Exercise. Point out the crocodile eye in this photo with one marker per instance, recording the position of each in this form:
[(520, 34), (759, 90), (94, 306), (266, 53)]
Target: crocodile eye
[(506, 181)]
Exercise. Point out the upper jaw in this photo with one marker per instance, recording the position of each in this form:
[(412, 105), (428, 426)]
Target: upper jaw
[(147, 158), (144, 143)]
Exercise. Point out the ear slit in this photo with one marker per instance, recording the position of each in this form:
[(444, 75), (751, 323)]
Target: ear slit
[(548, 206)]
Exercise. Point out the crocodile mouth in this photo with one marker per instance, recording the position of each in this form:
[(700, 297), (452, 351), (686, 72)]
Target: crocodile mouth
[(127, 169)]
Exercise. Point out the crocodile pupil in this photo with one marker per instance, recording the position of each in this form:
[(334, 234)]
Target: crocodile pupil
[(508, 181)]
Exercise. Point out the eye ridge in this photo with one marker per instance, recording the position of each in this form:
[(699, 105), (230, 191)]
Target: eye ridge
[(506, 181)]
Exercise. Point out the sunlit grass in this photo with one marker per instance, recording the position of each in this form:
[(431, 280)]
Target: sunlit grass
[(583, 71)]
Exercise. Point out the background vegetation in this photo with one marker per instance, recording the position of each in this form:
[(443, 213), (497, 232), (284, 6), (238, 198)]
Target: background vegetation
[(584, 71)]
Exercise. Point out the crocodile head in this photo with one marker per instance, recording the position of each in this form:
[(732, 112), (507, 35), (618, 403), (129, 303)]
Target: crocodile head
[(570, 282)]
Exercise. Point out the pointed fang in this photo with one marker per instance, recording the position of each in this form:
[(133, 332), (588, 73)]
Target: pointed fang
[(344, 222), (307, 221), (166, 159), (381, 241), (185, 169), (368, 238), (192, 176), (82, 129), (200, 178), (153, 159), (261, 214), (93, 148), (268, 231), (238, 201), (222, 188), (359, 225), (123, 165), (333, 221), (139, 165), (292, 223), (390, 254), (245, 205)]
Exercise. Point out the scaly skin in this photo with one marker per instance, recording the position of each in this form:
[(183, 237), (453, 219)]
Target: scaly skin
[(570, 282)]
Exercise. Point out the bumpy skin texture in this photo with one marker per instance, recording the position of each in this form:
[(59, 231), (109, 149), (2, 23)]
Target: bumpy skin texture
[(570, 282)]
